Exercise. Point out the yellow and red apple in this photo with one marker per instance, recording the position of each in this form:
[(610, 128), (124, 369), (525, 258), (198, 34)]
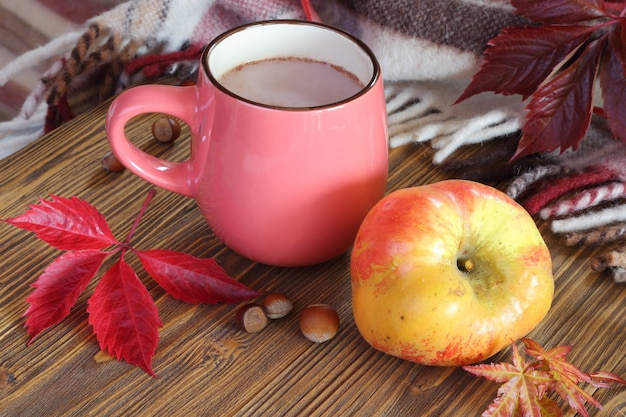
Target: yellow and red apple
[(449, 273)]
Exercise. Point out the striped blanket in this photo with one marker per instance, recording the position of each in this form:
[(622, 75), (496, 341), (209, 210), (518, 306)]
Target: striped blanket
[(438, 43)]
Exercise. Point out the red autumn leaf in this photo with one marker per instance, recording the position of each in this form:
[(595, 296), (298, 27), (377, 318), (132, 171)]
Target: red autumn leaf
[(121, 311), (617, 39), (560, 11), (519, 390), (555, 61), (519, 59), (193, 280), (525, 384), (613, 83), (58, 288), (549, 408), (124, 317), (559, 112), (567, 377), (603, 379), (66, 224)]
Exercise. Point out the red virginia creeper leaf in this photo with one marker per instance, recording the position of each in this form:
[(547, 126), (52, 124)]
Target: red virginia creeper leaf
[(560, 11), (559, 113), (193, 280), (66, 224), (519, 59), (535, 61), (124, 317), (58, 288), (617, 40), (613, 82)]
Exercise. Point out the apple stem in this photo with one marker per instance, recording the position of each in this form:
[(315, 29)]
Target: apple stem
[(465, 265)]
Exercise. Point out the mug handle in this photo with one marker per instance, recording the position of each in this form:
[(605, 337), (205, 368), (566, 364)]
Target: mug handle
[(173, 100)]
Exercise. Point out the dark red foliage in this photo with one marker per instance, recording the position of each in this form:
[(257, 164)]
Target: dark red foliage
[(555, 62)]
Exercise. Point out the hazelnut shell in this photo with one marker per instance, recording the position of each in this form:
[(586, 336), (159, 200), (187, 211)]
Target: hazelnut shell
[(111, 163), (251, 318), (166, 130), (276, 305), (319, 322)]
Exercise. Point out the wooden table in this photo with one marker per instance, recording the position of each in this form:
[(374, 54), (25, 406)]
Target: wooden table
[(206, 365)]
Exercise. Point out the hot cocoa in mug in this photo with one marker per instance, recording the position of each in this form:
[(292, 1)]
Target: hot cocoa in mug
[(284, 163), (291, 82)]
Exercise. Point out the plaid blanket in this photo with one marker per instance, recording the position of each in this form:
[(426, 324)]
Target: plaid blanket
[(438, 43), (428, 51)]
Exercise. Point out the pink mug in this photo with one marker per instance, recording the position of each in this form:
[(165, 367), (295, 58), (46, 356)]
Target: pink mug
[(283, 185)]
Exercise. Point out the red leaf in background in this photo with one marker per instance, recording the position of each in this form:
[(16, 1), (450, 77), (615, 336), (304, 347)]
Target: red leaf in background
[(58, 288), (617, 40), (124, 317), (542, 61), (66, 224), (613, 83), (519, 59), (559, 113), (193, 280), (560, 11)]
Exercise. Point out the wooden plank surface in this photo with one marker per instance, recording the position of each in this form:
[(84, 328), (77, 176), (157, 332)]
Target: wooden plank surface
[(206, 366)]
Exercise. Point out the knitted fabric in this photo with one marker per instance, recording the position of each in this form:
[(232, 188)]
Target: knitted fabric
[(582, 194)]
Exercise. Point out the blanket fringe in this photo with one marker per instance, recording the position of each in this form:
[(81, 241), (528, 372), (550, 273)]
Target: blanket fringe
[(53, 49), (425, 112)]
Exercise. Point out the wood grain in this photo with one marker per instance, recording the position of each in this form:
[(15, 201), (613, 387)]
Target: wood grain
[(206, 366)]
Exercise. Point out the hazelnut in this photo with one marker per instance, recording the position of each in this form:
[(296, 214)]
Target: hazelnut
[(251, 318), (165, 129), (319, 322), (111, 163), (276, 305)]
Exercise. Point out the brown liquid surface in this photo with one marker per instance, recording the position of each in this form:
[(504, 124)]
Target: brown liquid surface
[(291, 82)]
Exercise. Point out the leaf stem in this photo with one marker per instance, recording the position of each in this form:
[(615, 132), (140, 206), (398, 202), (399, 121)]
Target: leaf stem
[(131, 232)]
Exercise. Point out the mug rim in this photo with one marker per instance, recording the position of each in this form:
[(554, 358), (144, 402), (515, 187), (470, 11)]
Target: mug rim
[(376, 71)]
